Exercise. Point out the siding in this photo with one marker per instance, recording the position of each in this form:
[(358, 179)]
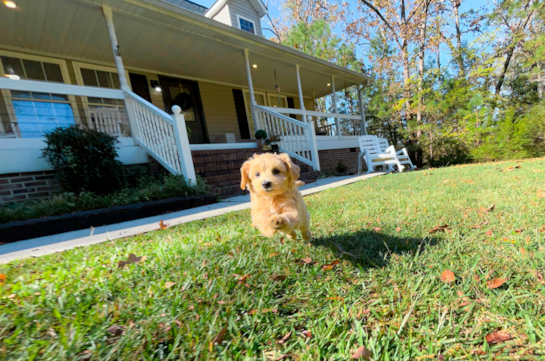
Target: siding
[(219, 111), (244, 9), (223, 16)]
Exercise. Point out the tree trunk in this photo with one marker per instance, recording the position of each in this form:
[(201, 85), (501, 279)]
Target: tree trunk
[(459, 51)]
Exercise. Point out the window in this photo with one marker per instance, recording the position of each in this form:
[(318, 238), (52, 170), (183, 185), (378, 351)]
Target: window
[(246, 24), (33, 114), (31, 69)]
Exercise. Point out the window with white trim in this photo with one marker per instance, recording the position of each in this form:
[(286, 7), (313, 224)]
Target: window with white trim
[(33, 114), (246, 24)]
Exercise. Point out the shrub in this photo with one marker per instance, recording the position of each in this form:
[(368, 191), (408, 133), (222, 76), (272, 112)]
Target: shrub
[(341, 167), (170, 186), (84, 160)]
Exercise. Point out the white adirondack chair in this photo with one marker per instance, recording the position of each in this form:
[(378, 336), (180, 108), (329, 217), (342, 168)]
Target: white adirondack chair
[(402, 154), (370, 150)]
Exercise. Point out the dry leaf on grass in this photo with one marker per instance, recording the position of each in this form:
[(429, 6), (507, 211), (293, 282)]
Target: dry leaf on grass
[(219, 336), (274, 254), (169, 284), (242, 279), (442, 228), (495, 283), (116, 330), (362, 353), (2, 278), (497, 337), (447, 276), (377, 229), (284, 339), (162, 225), (304, 261), (307, 334), (279, 278), (398, 229), (489, 233), (520, 230), (538, 276)]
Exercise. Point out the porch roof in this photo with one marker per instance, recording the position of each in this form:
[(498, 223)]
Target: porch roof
[(159, 37)]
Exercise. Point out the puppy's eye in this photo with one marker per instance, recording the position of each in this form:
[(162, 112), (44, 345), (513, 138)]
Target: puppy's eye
[(276, 171), (257, 174)]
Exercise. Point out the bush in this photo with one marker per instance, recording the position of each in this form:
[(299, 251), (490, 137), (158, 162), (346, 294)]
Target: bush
[(84, 160), (341, 167), (170, 186)]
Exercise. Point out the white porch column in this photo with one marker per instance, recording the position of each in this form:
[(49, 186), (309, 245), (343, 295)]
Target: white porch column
[(182, 141), (251, 89), (362, 111), (108, 15), (337, 121), (300, 90)]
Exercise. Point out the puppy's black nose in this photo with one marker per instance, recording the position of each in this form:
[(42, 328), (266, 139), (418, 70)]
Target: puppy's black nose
[(266, 184)]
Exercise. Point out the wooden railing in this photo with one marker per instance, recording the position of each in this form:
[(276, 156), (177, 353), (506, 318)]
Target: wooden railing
[(297, 138), (162, 135)]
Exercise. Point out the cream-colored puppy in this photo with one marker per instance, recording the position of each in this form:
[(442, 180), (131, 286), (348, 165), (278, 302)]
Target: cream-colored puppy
[(277, 204)]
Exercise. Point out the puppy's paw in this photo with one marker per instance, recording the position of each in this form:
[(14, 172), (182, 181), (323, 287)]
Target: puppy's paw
[(276, 222)]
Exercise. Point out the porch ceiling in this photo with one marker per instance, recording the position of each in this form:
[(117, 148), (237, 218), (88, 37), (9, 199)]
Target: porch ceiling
[(159, 37)]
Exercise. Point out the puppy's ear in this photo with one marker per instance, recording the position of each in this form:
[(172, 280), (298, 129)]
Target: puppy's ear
[(293, 168), (244, 171)]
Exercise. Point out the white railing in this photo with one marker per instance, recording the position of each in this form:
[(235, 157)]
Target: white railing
[(162, 135), (328, 124), (297, 138), (112, 120)]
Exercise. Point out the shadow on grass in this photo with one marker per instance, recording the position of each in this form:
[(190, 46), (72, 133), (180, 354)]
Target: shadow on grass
[(369, 249)]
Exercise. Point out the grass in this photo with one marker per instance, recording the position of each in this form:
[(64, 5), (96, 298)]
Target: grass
[(214, 280)]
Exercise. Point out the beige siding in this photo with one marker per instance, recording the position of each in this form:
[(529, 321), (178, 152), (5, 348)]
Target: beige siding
[(223, 16), (246, 10), (219, 111)]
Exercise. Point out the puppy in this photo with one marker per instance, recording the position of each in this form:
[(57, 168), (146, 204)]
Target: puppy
[(277, 204)]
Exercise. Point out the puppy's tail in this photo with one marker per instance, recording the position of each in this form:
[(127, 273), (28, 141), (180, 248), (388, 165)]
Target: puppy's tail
[(299, 183)]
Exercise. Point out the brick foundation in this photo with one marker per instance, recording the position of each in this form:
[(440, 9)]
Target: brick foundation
[(17, 187), (221, 169), (330, 158)]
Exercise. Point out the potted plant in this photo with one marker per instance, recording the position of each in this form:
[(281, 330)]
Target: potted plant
[(273, 142), (261, 136)]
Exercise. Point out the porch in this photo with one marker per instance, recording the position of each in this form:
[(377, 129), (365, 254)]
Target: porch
[(257, 84)]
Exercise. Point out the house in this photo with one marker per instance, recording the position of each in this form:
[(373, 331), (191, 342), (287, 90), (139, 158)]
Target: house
[(179, 84)]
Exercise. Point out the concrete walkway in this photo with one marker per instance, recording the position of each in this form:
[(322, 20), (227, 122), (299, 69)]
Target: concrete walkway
[(85, 237)]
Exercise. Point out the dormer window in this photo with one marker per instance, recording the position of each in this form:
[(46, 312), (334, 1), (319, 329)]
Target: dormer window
[(246, 24)]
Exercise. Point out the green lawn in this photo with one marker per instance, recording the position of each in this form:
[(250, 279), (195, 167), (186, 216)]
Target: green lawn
[(218, 280)]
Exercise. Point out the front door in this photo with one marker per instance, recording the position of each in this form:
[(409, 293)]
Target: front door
[(185, 93)]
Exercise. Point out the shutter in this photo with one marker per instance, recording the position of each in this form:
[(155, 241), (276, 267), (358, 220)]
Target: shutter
[(241, 114)]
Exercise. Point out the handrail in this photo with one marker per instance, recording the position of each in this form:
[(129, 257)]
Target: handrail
[(60, 88), (311, 112), (271, 111), (152, 108)]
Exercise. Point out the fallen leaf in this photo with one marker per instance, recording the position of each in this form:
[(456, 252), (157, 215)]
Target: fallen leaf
[(178, 323), (274, 254), (12, 296), (169, 284), (447, 276), (307, 334), (491, 208), (162, 225), (497, 337), (121, 264), (279, 278), (398, 230), (133, 258), (243, 279), (442, 228), (284, 339), (489, 233), (303, 261), (520, 230), (495, 283), (362, 353), (2, 278), (523, 251), (327, 267), (377, 229), (115, 330), (219, 336), (335, 262), (335, 298)]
